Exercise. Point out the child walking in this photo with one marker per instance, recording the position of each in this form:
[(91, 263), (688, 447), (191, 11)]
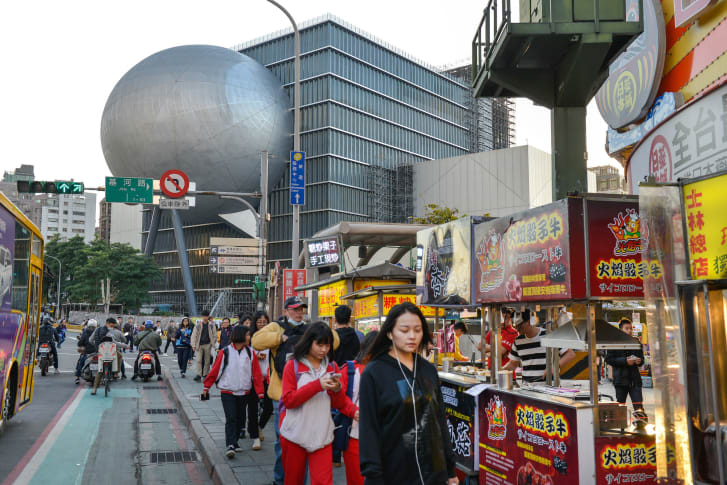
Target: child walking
[(237, 374), (311, 386)]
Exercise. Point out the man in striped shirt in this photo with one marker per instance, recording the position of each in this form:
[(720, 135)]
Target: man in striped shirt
[(528, 351)]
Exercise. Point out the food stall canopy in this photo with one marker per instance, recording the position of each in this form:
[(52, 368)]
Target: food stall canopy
[(373, 234), (377, 271), (573, 335)]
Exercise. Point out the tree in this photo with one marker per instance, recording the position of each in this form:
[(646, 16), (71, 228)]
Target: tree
[(130, 272), (434, 214)]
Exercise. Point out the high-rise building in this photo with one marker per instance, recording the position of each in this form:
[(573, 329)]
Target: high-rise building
[(103, 231), (29, 204), (368, 112), (609, 179), (68, 216)]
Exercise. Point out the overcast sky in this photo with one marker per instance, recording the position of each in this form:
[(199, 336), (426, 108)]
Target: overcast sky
[(62, 59)]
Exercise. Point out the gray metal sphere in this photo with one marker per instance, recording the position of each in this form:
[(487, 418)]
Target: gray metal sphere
[(206, 110)]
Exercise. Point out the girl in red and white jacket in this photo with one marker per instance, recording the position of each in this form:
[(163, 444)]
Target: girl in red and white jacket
[(350, 453), (311, 386), (237, 374)]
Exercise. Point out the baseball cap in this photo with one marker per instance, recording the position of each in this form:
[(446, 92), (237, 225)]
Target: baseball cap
[(149, 324), (294, 302)]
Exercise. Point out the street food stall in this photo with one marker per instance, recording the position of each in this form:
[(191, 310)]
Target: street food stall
[(564, 259), (687, 318)]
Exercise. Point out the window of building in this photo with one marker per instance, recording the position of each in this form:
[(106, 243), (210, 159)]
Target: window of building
[(54, 229), (77, 231), (603, 185), (65, 213), (77, 213), (614, 183)]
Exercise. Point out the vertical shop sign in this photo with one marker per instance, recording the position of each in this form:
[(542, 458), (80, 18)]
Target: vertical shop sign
[(626, 459), (705, 213), (459, 410)]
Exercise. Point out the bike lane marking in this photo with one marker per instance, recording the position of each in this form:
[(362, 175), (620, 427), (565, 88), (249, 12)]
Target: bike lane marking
[(42, 445)]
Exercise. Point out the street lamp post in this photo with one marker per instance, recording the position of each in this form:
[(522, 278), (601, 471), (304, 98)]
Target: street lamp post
[(295, 242), (58, 292)]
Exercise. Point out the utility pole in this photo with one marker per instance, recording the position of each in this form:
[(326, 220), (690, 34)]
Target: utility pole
[(295, 240), (58, 291)]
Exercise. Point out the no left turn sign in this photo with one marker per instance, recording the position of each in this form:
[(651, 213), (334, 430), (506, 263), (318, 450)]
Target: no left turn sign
[(174, 183)]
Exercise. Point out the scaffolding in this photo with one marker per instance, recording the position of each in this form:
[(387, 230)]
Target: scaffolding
[(391, 193)]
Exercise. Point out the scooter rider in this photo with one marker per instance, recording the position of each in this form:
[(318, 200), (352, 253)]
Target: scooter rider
[(118, 338), (47, 335), (85, 347), (149, 340)]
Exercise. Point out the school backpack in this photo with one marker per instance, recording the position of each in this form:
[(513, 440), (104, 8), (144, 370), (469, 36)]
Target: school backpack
[(294, 334), (341, 421), (226, 360), (100, 334)]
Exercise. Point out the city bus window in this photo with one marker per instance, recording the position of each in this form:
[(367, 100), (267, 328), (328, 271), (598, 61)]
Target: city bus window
[(20, 268), (37, 247)]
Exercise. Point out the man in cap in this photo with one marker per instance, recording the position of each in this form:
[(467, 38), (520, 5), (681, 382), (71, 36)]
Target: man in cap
[(528, 350), (280, 337)]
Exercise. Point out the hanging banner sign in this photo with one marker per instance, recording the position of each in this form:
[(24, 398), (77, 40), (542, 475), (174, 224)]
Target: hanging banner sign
[(705, 212)]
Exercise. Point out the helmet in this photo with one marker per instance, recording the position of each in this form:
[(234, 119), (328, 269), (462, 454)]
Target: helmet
[(149, 324), (92, 323)]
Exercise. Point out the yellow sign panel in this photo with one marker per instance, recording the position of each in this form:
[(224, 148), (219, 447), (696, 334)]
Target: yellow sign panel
[(366, 307), (361, 284), (706, 222), (369, 307), (329, 297)]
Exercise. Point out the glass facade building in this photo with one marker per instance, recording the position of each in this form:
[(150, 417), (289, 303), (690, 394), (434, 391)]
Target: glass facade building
[(369, 112)]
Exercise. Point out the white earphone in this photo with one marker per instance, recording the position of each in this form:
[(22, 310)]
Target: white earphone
[(414, 403)]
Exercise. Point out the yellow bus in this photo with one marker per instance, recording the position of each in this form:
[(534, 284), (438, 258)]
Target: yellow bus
[(21, 277)]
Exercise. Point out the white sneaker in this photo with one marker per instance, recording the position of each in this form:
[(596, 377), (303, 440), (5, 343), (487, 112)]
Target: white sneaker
[(256, 444), (230, 453)]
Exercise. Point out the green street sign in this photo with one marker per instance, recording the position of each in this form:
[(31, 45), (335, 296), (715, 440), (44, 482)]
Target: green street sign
[(130, 190)]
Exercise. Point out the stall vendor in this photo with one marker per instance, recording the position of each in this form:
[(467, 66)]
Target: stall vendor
[(507, 337), (460, 329), (529, 352)]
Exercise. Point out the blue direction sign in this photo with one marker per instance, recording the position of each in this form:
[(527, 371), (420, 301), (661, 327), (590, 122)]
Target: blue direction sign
[(297, 178)]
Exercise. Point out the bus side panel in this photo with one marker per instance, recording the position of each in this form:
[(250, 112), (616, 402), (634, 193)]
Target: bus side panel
[(11, 332)]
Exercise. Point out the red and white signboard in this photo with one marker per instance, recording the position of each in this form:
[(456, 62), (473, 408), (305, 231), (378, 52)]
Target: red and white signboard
[(291, 279), (174, 184)]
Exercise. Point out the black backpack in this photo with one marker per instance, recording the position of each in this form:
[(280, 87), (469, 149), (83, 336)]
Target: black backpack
[(294, 333), (100, 334), (45, 334)]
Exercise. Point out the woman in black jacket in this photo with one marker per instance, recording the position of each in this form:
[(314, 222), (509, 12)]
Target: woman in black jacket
[(626, 375), (403, 434)]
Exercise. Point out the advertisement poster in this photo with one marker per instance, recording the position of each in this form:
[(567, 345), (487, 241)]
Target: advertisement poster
[(618, 238), (525, 257), (323, 252), (7, 248), (629, 459), (292, 278), (368, 307), (526, 441), (444, 277), (459, 410), (706, 221), (329, 297)]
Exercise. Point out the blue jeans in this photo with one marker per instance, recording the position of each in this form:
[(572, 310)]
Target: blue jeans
[(80, 364), (278, 472), (183, 356)]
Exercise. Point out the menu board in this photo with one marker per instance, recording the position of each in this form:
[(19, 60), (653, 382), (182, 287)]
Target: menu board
[(524, 257), (444, 275), (705, 218), (329, 297), (526, 441), (626, 459), (618, 238), (459, 410)]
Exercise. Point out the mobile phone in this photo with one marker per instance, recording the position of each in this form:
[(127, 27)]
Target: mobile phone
[(336, 376), (205, 396)]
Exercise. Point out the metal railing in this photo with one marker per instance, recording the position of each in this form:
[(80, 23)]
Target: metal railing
[(495, 18)]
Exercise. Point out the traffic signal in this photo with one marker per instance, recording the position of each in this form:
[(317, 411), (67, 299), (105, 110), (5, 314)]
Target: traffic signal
[(58, 187), (259, 287)]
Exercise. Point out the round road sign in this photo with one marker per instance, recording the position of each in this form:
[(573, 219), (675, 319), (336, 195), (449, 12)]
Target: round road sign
[(174, 183)]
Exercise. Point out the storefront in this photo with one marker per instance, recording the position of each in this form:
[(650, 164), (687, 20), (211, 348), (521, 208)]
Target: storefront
[(563, 261)]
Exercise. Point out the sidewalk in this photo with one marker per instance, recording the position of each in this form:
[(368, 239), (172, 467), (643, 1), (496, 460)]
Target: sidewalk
[(206, 423)]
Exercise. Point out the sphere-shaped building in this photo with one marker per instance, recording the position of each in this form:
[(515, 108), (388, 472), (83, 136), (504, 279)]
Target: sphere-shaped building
[(206, 110)]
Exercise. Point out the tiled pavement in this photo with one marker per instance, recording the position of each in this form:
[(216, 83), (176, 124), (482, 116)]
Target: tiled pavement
[(206, 422)]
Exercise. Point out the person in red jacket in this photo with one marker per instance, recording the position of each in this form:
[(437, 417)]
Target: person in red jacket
[(350, 453), (311, 386), (237, 374)]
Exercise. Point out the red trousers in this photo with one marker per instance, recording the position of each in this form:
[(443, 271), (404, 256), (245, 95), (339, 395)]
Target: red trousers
[(353, 467), (320, 464)]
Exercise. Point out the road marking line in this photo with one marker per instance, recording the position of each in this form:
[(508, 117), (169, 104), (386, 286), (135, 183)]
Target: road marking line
[(29, 464)]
